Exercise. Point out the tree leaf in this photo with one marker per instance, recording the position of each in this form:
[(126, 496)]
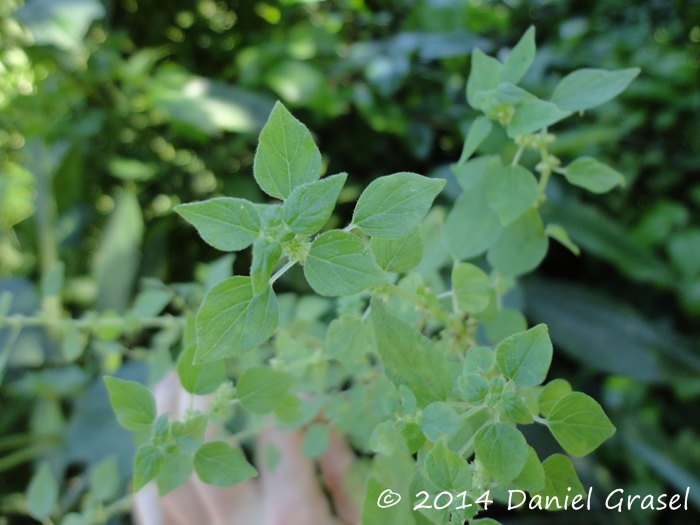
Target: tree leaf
[(551, 393), (42, 493), (592, 175), (410, 358), (521, 247), (512, 191), (338, 264), (147, 465), (133, 403), (479, 130), (266, 255), (315, 440), (398, 255), (474, 388), (514, 409), (221, 465), (471, 172), (579, 424), (199, 379), (174, 473), (447, 470), (105, 479), (391, 206), (471, 286), (310, 206), (525, 357), (347, 338), (484, 74), (472, 226), (261, 388), (519, 59), (231, 321), (479, 359), (226, 223), (287, 156), (533, 116), (189, 434), (532, 476), (116, 262), (558, 233), (439, 420), (502, 449), (587, 88), (559, 477)]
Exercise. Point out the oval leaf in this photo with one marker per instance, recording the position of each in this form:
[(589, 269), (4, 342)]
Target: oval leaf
[(133, 403), (502, 449), (525, 357), (221, 465)]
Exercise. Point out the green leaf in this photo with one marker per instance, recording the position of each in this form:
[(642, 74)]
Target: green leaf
[(338, 264), (447, 470), (472, 171), (412, 435), (266, 255), (439, 420), (587, 88), (484, 74), (592, 175), (261, 388), (104, 479), (579, 424), (310, 206), (42, 493), (551, 393), (683, 249), (471, 286), (391, 206), (398, 255), (289, 408), (199, 379), (479, 130), (385, 438), (151, 301), (189, 434), (347, 338), (559, 477), (474, 388), (502, 449), (525, 357), (147, 465), (472, 226), (133, 403), (221, 465), (558, 233), (410, 358), (408, 399), (533, 116), (532, 478), (521, 247), (514, 409), (226, 223), (507, 322), (287, 156), (512, 191), (519, 59), (174, 473), (315, 440), (116, 262), (231, 320), (72, 346), (479, 359)]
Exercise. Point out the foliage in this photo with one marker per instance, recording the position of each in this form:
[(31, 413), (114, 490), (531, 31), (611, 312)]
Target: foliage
[(105, 135)]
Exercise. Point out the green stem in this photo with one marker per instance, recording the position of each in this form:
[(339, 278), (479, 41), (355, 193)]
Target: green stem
[(416, 299), (23, 455), (518, 154), (281, 272), (21, 321), (19, 440)]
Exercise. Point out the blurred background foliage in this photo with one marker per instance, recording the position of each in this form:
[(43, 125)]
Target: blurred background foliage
[(114, 111)]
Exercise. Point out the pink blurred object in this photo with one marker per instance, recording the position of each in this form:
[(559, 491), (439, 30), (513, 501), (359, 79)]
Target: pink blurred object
[(292, 495)]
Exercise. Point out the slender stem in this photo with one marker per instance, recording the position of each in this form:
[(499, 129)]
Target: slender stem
[(19, 440), (473, 411), (6, 349), (281, 272), (449, 293), (365, 314), (397, 290), (540, 420), (349, 227), (21, 321), (518, 154), (121, 506)]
